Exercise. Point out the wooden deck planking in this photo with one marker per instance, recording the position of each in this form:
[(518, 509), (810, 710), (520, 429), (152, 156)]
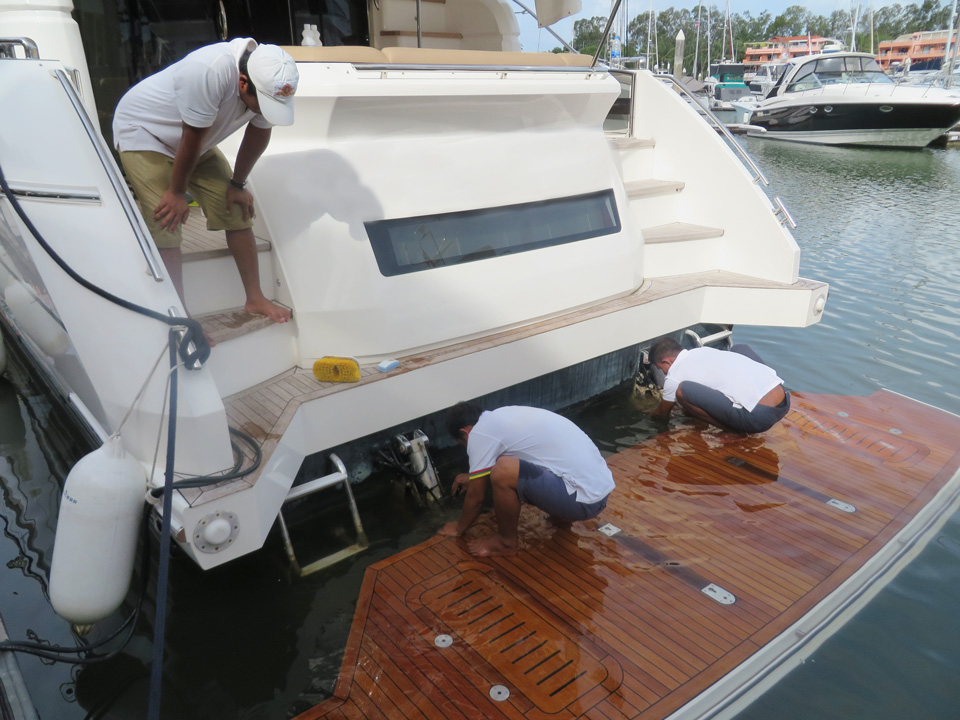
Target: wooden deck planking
[(628, 605)]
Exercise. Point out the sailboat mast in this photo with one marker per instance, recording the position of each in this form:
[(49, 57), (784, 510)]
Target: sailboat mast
[(946, 67), (853, 27), (696, 50), (709, 39), (730, 32)]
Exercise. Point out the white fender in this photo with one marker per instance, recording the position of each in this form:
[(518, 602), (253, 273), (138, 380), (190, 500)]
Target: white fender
[(96, 540)]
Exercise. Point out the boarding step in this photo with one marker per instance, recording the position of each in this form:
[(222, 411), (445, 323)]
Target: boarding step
[(629, 143), (202, 244), (231, 324), (679, 232), (210, 278), (249, 348), (308, 488), (652, 188)]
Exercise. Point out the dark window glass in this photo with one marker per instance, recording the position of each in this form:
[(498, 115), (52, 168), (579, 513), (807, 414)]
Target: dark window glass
[(830, 66), (406, 245)]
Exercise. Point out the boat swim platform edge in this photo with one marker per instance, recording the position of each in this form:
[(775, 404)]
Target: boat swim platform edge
[(635, 625)]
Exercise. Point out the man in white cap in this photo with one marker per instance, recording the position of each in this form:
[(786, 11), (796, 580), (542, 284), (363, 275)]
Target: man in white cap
[(167, 127)]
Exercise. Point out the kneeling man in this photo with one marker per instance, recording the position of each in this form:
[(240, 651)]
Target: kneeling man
[(733, 390), (530, 456)]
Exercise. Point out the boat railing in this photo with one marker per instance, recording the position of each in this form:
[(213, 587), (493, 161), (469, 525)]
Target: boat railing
[(116, 179), (627, 79), (712, 119), (9, 45)]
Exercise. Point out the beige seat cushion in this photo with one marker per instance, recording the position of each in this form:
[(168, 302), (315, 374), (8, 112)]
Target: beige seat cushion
[(335, 53), (432, 56)]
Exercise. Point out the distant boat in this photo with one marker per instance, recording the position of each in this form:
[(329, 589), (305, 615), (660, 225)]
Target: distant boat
[(844, 98)]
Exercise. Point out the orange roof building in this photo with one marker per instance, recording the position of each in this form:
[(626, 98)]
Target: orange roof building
[(919, 47), (781, 49)]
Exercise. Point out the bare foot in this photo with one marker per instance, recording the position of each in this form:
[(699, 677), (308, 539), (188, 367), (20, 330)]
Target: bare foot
[(489, 546), (275, 312)]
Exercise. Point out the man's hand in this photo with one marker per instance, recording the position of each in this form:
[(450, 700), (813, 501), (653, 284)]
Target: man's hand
[(172, 211), (460, 483), (243, 198), (450, 529)]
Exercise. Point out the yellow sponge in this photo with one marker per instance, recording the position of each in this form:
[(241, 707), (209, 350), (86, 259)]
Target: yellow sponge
[(336, 369)]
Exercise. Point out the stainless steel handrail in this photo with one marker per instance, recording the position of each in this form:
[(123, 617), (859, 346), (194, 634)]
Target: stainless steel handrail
[(30, 48), (119, 185), (781, 209), (705, 112)]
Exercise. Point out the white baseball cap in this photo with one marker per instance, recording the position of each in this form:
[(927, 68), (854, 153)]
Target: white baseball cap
[(275, 76)]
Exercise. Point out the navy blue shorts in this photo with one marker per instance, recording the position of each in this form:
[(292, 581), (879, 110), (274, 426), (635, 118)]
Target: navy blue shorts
[(739, 419), (541, 488)]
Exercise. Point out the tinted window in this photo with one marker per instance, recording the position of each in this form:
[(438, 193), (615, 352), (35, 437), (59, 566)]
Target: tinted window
[(406, 245)]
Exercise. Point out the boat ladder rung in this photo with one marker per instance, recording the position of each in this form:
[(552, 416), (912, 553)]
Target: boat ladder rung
[(308, 488)]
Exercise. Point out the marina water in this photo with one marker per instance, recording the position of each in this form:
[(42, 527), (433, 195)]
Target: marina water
[(247, 641)]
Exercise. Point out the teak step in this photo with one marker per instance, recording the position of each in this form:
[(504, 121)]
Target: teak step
[(231, 324), (202, 244), (678, 232), (626, 143), (413, 33), (652, 187)]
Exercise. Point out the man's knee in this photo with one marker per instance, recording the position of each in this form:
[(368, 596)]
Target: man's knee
[(505, 472)]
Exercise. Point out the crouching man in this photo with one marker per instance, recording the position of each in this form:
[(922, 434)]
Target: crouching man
[(733, 390), (529, 456)]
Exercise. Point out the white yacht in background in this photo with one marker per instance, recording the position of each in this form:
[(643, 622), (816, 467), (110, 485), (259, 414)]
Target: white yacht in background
[(844, 98)]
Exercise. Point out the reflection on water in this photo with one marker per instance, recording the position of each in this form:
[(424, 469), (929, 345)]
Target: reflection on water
[(883, 228), (244, 641)]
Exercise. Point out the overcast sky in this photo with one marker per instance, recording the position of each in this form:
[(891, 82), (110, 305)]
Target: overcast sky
[(532, 38)]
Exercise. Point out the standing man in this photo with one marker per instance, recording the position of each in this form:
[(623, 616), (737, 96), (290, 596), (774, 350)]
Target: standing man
[(166, 128), (733, 390), (529, 456)]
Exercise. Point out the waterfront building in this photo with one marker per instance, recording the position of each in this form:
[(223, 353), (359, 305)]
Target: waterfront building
[(781, 49), (924, 50)]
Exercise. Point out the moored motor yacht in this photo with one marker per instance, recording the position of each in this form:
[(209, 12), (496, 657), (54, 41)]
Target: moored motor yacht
[(463, 219), (844, 98), (460, 210)]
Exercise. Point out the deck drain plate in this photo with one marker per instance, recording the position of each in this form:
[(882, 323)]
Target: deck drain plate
[(539, 660), (499, 693), (841, 505), (715, 592)]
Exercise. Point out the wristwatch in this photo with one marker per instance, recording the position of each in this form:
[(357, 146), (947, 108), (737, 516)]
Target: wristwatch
[(238, 185)]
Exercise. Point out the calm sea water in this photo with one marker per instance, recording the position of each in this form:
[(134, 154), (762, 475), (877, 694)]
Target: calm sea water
[(246, 641)]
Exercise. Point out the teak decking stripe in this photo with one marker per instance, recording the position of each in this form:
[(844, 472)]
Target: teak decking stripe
[(628, 606)]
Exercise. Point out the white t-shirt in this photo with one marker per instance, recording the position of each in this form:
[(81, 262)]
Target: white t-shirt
[(741, 379), (542, 438), (201, 90)]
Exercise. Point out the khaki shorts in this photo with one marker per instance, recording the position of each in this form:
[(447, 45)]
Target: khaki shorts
[(149, 173)]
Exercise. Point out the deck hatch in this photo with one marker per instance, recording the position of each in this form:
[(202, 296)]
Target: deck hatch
[(547, 665)]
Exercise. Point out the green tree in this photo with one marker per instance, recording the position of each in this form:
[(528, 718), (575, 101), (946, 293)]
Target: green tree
[(587, 34)]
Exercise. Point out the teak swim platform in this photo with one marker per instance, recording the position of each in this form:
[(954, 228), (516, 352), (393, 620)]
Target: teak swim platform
[(720, 545)]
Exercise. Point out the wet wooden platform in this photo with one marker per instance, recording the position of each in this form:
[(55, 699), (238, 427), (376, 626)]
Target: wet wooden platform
[(578, 624)]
